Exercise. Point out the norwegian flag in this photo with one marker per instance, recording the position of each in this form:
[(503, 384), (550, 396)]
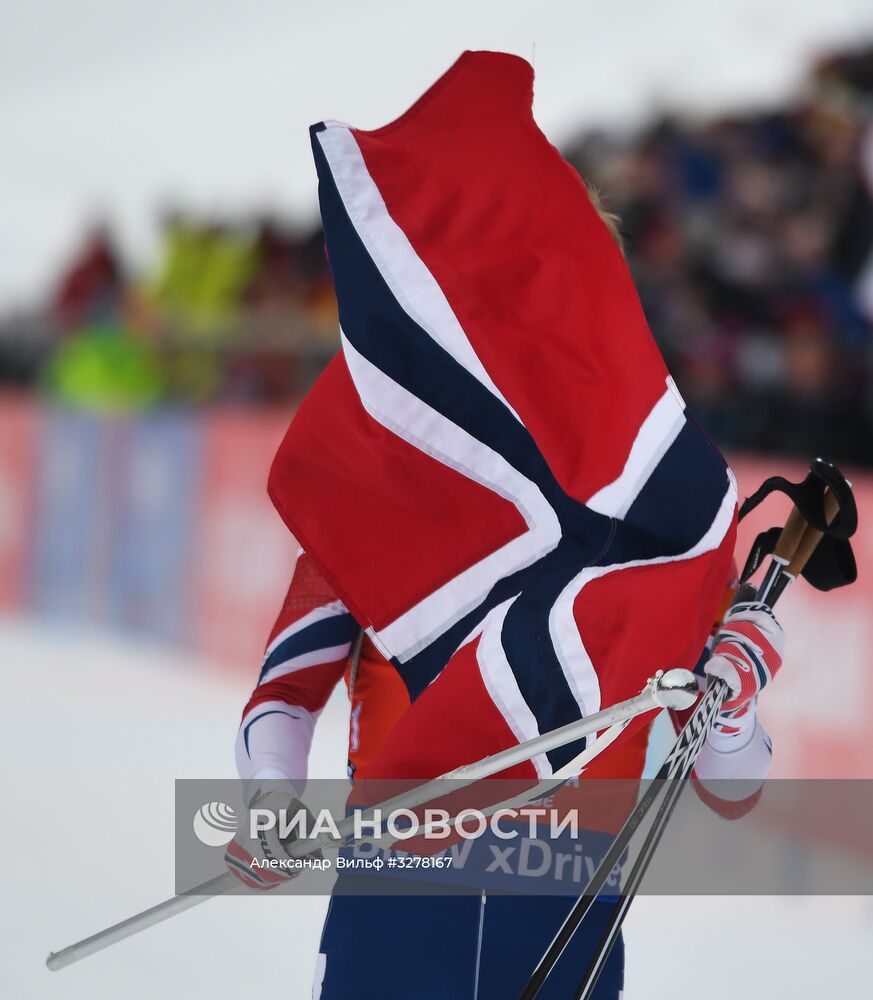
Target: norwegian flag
[(496, 473)]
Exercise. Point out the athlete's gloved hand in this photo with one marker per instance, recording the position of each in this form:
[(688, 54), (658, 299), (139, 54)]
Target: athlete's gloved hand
[(747, 653), (260, 862)]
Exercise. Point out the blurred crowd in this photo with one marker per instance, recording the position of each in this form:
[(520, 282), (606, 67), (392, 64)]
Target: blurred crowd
[(750, 238), (751, 243), (230, 311)]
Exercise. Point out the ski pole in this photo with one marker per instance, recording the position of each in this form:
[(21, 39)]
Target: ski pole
[(773, 586), (796, 543), (674, 689)]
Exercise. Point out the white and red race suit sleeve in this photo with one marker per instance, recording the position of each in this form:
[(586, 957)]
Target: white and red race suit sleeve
[(305, 657)]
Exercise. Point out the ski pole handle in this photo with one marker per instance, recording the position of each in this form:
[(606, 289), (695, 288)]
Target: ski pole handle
[(790, 536), (776, 579), (796, 544), (812, 536)]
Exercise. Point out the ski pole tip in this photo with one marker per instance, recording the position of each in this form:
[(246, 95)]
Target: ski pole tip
[(55, 961)]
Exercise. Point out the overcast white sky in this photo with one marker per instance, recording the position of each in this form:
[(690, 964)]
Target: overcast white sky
[(120, 106)]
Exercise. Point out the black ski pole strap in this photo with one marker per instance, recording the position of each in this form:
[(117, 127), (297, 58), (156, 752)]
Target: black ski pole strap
[(832, 564), (808, 498)]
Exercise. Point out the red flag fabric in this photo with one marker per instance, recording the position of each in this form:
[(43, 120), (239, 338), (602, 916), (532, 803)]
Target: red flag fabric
[(496, 473)]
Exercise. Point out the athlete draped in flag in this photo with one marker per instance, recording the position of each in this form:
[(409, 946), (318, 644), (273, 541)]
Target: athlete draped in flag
[(497, 481)]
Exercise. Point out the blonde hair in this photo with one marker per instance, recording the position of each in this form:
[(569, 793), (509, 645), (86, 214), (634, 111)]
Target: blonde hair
[(609, 219)]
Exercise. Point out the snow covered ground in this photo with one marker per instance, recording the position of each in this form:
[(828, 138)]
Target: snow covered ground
[(95, 730)]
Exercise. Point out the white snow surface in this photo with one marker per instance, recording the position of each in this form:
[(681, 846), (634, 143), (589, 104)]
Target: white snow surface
[(95, 725)]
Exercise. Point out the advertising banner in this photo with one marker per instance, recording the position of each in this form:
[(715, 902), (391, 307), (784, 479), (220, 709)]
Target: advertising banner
[(157, 490), (19, 420), (76, 510), (242, 555)]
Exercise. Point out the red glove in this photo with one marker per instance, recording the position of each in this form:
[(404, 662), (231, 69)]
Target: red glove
[(747, 653), (260, 862)]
